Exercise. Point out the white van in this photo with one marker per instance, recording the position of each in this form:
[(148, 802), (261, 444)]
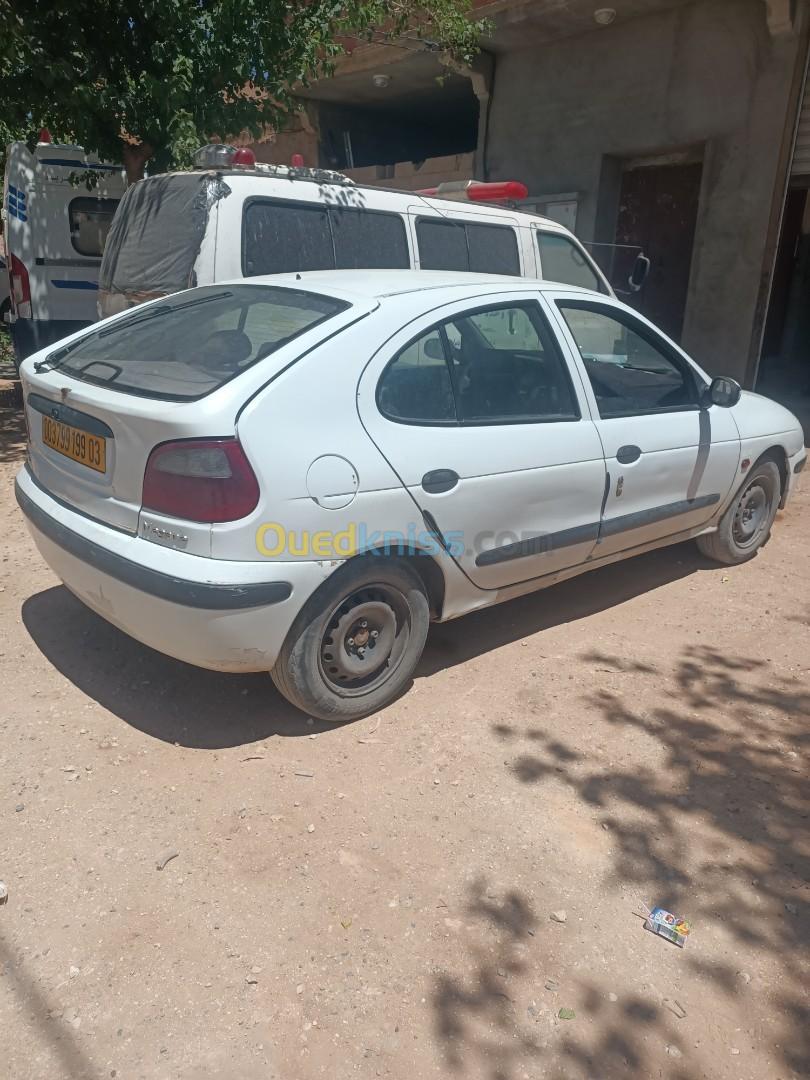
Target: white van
[(56, 224), (235, 218)]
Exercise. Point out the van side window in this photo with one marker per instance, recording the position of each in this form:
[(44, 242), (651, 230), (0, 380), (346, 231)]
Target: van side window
[(493, 249), (458, 245), (90, 221), (564, 261), (367, 240), (281, 238), (442, 245)]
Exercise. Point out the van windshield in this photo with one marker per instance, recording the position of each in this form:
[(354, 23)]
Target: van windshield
[(185, 347)]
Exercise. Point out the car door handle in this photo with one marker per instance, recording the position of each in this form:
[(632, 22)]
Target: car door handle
[(626, 455), (438, 480)]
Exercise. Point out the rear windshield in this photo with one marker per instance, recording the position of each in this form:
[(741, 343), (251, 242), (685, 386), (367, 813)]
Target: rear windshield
[(183, 348), (156, 234), (90, 221)]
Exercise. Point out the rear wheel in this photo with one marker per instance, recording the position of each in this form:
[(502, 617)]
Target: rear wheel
[(355, 643), (746, 525)]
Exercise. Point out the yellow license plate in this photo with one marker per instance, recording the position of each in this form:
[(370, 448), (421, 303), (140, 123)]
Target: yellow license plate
[(81, 446)]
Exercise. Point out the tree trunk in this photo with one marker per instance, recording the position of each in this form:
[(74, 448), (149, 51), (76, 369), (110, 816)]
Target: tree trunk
[(135, 157)]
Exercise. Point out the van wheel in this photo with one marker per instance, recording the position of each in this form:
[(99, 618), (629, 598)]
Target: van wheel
[(746, 525), (355, 643)]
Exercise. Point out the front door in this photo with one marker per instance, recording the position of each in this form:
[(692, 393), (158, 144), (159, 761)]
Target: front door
[(476, 410), (670, 463)]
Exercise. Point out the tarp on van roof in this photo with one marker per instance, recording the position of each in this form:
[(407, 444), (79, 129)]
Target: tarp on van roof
[(156, 234)]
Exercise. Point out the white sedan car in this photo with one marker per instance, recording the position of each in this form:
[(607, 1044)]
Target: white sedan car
[(297, 473)]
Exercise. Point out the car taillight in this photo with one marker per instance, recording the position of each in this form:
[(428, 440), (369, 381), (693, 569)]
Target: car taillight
[(20, 288), (200, 480)]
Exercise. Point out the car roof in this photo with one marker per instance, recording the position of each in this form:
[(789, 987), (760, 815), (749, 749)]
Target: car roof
[(376, 285)]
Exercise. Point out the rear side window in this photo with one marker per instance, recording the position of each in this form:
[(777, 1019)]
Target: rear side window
[(563, 260), (182, 348), (280, 238), (445, 244), (90, 221), (416, 386), (496, 365)]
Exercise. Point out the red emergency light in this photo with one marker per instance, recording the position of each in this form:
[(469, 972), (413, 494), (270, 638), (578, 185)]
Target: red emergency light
[(478, 191)]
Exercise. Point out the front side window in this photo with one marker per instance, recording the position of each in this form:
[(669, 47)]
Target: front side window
[(281, 238), (496, 365), (446, 244), (90, 221), (188, 345), (631, 370), (564, 261)]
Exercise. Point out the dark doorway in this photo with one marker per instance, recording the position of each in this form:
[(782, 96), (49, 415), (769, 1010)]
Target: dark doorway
[(784, 367), (784, 266), (657, 212)]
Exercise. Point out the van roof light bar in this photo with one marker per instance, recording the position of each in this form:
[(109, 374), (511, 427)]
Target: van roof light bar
[(223, 156), (500, 191)]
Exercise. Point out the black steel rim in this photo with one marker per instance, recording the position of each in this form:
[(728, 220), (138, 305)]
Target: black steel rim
[(365, 638)]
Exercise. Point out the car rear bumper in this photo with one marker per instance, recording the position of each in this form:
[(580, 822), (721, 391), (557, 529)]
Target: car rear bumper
[(228, 616)]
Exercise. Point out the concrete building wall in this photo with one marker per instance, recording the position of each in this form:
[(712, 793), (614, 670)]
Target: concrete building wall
[(709, 75)]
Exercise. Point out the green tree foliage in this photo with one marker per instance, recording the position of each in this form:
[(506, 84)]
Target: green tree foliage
[(150, 81)]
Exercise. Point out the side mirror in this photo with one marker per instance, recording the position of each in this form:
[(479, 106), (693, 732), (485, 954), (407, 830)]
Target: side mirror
[(638, 275), (723, 392)]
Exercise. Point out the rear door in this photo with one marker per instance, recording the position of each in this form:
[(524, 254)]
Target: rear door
[(670, 463), (476, 410)]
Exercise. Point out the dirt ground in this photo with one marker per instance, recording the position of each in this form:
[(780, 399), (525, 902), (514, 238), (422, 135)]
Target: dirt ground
[(376, 900)]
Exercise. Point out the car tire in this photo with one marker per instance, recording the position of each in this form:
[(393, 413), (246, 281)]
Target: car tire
[(746, 524), (330, 666)]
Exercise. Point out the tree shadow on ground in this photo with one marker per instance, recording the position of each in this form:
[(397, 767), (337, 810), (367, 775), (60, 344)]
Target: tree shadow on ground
[(12, 435), (716, 828), (495, 1019)]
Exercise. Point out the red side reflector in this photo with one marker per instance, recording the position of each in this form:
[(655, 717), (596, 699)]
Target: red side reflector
[(206, 480), (478, 191)]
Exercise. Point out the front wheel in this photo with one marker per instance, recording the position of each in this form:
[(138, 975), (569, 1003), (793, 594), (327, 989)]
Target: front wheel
[(746, 525), (354, 645)]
